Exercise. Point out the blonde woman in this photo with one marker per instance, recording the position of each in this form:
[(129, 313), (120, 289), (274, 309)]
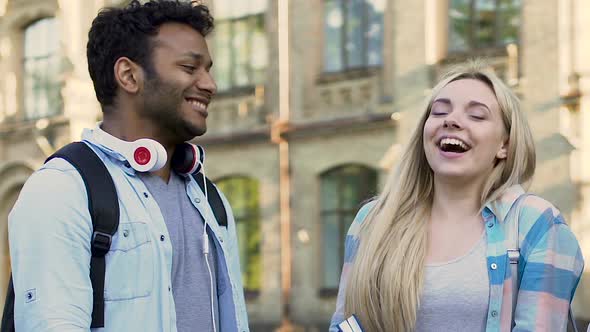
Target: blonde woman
[(430, 253)]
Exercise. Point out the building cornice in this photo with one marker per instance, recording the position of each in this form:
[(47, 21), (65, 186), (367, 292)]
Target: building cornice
[(300, 129)]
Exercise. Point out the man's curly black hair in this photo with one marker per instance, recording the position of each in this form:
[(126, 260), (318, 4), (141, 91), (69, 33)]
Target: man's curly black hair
[(127, 32)]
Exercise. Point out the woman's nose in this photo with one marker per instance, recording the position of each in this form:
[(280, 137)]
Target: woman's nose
[(450, 123)]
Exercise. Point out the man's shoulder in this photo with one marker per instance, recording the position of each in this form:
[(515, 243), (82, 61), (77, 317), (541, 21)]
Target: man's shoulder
[(53, 193)]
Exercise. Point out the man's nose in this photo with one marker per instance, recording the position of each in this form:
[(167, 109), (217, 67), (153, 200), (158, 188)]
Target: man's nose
[(207, 82)]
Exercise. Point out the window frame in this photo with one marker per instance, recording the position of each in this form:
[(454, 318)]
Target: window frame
[(232, 86), (472, 46), (248, 218), (34, 114), (344, 215), (344, 32)]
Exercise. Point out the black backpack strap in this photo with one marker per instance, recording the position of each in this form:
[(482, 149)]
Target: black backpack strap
[(214, 200), (103, 206), (8, 313)]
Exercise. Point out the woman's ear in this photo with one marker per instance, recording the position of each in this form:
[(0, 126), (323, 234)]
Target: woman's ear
[(503, 151), (128, 75)]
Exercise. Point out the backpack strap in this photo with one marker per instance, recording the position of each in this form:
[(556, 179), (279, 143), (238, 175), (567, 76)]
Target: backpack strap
[(103, 206), (513, 220), (214, 199), (8, 313)]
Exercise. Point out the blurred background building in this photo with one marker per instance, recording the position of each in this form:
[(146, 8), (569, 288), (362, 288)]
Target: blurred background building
[(297, 159)]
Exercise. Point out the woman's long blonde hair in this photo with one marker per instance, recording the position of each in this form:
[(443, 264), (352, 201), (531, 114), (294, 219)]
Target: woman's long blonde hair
[(385, 282)]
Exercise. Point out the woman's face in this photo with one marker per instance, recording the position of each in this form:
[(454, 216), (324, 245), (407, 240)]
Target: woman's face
[(464, 133)]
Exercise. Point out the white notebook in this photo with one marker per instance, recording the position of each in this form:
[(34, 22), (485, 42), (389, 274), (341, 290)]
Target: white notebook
[(351, 324)]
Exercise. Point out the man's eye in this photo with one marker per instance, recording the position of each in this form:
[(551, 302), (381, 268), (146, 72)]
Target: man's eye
[(189, 68)]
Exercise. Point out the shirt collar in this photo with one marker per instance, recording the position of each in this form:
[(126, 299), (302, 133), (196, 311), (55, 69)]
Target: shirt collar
[(88, 135), (500, 207)]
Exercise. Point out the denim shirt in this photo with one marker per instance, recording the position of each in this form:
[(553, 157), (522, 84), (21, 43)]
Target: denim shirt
[(49, 234), (550, 265)]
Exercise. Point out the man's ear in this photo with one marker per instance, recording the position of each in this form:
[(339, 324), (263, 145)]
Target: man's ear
[(503, 152), (128, 75)]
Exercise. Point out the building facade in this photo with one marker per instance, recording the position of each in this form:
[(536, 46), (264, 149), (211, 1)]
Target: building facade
[(296, 163)]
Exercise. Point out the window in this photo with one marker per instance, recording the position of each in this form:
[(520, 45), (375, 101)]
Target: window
[(342, 191), (242, 194), (476, 24), (353, 34), (41, 64), (240, 45)]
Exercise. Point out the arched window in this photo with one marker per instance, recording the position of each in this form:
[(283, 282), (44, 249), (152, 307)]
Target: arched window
[(240, 44), (476, 24), (41, 64), (353, 34), (343, 189), (243, 196)]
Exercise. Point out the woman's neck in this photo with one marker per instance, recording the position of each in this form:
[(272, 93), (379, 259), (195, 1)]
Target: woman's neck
[(454, 201)]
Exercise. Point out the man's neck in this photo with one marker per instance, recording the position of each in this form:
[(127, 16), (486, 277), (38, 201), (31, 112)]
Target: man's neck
[(131, 129)]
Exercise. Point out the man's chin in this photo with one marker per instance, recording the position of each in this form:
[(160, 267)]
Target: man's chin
[(201, 131), (198, 131)]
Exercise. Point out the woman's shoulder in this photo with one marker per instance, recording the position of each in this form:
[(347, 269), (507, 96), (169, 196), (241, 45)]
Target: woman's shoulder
[(544, 230), (536, 205), (539, 219), (361, 216), (531, 207)]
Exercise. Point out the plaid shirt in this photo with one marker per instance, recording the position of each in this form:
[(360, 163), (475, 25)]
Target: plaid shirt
[(550, 265)]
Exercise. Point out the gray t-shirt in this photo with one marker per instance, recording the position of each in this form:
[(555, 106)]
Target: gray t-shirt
[(191, 288), (455, 294)]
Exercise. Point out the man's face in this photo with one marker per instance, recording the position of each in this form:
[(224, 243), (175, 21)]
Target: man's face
[(177, 93)]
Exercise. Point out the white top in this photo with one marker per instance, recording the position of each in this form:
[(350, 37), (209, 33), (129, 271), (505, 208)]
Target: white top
[(455, 294)]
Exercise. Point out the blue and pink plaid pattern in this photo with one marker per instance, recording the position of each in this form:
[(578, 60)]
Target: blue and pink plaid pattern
[(551, 265)]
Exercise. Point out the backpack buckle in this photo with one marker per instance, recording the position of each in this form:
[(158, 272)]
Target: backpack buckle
[(513, 255), (101, 243)]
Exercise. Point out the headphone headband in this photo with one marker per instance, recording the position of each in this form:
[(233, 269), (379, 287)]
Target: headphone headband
[(147, 155)]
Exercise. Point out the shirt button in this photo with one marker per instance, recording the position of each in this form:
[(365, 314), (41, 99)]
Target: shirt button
[(126, 233), (162, 237), (494, 313), (490, 224), (197, 200), (494, 266), (145, 195)]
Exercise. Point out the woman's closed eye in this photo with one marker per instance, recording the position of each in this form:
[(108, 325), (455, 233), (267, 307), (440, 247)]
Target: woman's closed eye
[(478, 115), (439, 111)]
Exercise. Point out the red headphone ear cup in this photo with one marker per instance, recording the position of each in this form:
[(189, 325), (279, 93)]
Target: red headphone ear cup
[(188, 158), (146, 155)]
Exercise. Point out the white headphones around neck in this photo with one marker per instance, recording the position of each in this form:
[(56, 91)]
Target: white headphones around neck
[(147, 155)]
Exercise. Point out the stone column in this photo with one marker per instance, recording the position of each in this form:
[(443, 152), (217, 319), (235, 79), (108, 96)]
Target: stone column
[(80, 104), (437, 32), (580, 30)]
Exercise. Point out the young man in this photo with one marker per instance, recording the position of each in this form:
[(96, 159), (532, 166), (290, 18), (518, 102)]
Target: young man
[(151, 71)]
